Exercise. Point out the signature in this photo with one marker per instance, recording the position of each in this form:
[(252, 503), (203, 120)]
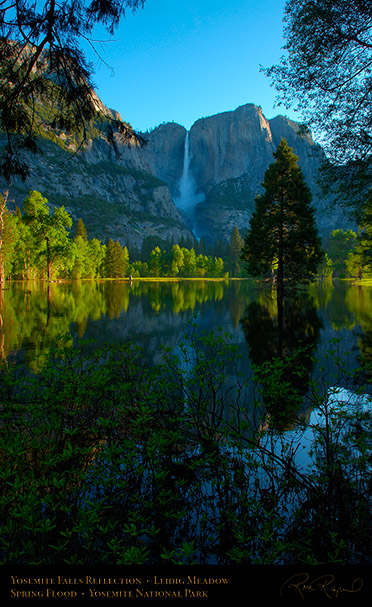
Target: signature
[(301, 584)]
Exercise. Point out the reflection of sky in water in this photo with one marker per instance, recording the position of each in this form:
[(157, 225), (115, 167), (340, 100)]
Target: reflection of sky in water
[(339, 399)]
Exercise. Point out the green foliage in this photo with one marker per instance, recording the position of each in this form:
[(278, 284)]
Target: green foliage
[(361, 260), (81, 229), (117, 260), (38, 244), (155, 262), (350, 254), (9, 235), (107, 461), (325, 268), (184, 262), (283, 234), (325, 73), (49, 236), (236, 247), (45, 78), (340, 246)]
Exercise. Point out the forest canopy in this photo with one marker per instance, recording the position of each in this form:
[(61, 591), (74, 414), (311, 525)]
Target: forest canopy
[(40, 243), (325, 73)]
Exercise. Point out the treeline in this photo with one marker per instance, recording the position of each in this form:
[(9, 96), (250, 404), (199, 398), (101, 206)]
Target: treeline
[(208, 255), (348, 254), (38, 243)]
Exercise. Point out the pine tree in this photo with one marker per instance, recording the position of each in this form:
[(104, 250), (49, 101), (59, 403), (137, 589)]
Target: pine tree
[(117, 260), (236, 246), (283, 236), (81, 230)]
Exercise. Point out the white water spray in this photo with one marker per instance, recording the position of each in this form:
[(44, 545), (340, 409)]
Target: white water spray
[(188, 198)]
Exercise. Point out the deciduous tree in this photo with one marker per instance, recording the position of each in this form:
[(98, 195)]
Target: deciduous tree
[(326, 72), (340, 245), (8, 238), (49, 232), (359, 260), (155, 262)]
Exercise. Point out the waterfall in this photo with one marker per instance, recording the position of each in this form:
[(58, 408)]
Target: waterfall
[(188, 197)]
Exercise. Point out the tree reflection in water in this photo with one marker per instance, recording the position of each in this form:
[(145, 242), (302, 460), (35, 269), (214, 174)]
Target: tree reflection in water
[(108, 459), (282, 335)]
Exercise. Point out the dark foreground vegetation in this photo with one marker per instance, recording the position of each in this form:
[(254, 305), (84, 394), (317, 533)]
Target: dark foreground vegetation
[(105, 460)]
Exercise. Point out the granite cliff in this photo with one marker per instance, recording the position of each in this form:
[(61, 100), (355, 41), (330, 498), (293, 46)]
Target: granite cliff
[(205, 179), (228, 155), (164, 154), (112, 188)]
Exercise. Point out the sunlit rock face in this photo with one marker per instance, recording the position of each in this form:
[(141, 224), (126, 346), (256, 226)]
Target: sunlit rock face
[(114, 190), (228, 156), (228, 145), (242, 144), (203, 181)]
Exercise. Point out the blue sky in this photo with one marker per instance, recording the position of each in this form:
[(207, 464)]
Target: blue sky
[(180, 61)]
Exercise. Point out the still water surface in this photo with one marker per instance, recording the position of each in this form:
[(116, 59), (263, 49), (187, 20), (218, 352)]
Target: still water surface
[(35, 315)]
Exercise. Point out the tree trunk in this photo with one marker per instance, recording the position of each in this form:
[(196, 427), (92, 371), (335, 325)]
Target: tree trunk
[(280, 308), (48, 257), (2, 211), (280, 275)]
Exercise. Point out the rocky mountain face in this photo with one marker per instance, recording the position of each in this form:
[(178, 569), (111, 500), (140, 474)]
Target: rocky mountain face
[(229, 145), (117, 195), (164, 153), (205, 179), (228, 155)]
